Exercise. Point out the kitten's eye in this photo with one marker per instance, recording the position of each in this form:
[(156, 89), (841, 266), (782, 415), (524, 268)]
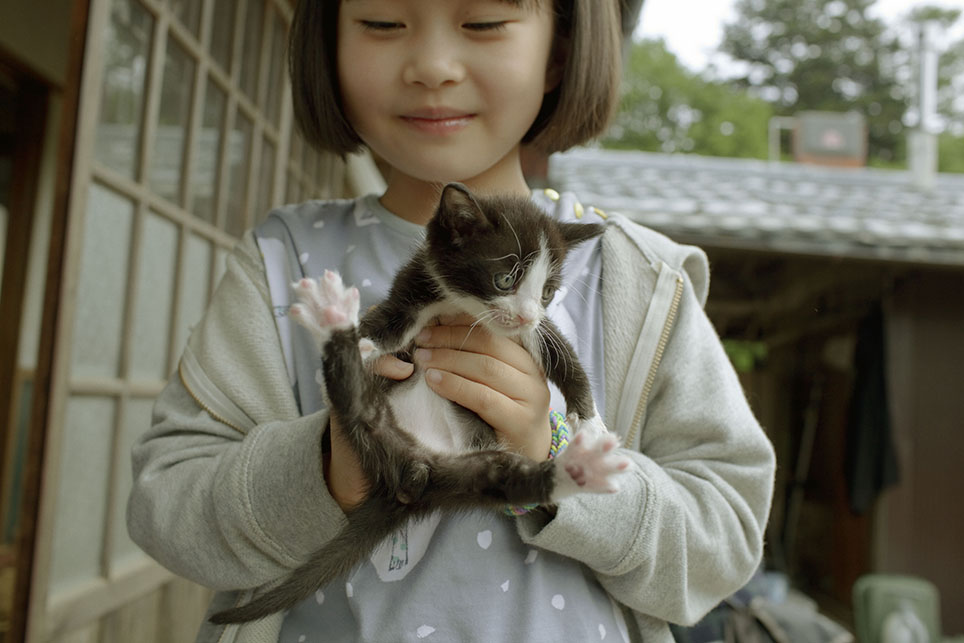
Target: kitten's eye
[(548, 292), (503, 280)]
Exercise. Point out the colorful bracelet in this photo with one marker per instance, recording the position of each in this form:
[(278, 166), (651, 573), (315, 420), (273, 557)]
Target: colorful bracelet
[(560, 440)]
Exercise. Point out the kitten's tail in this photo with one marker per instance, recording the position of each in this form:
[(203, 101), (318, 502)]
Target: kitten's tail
[(368, 526)]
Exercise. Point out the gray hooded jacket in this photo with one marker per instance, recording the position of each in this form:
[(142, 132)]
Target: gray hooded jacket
[(216, 475)]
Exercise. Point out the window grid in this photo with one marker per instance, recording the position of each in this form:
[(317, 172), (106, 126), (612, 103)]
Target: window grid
[(267, 182)]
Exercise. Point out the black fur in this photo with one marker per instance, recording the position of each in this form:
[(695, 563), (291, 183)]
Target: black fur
[(467, 241)]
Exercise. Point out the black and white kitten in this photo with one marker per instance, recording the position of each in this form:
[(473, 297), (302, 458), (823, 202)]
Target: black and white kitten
[(498, 259)]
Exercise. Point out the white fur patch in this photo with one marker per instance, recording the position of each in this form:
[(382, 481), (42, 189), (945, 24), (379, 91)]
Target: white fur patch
[(428, 417)]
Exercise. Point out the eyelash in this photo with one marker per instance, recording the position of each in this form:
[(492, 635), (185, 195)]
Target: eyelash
[(379, 25), (499, 25)]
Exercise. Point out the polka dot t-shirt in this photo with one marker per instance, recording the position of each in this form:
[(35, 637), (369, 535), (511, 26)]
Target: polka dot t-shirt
[(466, 577)]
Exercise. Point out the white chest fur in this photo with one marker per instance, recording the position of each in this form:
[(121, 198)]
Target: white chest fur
[(428, 417)]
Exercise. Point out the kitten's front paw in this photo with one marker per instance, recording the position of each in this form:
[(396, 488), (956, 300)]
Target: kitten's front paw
[(589, 465), (325, 305)]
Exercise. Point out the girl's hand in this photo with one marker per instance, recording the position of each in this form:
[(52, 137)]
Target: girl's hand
[(494, 377), (346, 481)]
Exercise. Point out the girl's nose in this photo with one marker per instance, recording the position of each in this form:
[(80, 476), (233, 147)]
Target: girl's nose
[(432, 63)]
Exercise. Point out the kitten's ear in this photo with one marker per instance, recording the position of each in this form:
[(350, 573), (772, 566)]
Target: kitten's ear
[(576, 233), (460, 214)]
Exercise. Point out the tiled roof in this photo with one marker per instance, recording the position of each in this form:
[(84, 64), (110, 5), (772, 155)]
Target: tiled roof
[(780, 207)]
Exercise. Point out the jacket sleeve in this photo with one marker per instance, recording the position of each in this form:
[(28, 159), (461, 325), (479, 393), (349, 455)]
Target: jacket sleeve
[(686, 529), (232, 504)]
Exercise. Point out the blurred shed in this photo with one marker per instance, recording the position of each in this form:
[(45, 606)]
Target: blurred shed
[(841, 294)]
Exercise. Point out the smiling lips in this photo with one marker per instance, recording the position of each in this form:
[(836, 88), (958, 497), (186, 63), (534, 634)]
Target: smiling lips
[(438, 121)]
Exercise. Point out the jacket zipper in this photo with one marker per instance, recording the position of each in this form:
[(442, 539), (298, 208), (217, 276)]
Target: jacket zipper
[(654, 366), (217, 416)]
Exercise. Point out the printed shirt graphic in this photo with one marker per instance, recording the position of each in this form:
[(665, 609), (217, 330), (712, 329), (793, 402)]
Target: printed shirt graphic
[(465, 577)]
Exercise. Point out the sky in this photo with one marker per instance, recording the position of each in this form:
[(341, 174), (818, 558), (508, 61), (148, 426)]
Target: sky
[(694, 40)]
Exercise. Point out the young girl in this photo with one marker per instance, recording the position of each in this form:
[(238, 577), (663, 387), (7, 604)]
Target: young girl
[(244, 473)]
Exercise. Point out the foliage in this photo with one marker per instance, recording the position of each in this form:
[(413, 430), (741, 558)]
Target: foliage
[(950, 65), (791, 56), (950, 153), (746, 356), (827, 55), (667, 108)]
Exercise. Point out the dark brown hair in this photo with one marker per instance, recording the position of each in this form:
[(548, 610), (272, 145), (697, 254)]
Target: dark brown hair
[(578, 109)]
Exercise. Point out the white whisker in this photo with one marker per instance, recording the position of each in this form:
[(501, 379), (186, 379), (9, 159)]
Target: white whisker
[(509, 223), (480, 319)]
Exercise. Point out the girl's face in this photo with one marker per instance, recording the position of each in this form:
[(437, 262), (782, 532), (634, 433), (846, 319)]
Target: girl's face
[(443, 90)]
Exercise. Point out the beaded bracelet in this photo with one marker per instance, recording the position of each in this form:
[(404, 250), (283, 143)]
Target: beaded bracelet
[(560, 440)]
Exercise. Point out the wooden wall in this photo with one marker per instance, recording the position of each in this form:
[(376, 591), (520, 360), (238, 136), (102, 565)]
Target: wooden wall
[(920, 523), (915, 527)]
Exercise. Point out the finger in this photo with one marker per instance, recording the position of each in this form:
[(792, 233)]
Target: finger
[(478, 340), (457, 319), (495, 408), (393, 368), (479, 368)]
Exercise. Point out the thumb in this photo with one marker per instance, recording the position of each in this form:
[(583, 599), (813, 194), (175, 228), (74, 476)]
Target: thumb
[(393, 368)]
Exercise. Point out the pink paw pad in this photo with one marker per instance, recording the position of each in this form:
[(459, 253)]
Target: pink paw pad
[(325, 305), (591, 464), (334, 316)]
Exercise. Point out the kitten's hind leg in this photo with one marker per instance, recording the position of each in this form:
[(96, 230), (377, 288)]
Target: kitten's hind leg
[(590, 464), (494, 477)]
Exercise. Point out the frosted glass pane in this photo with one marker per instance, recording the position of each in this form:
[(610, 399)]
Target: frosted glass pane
[(167, 155), (222, 32), (153, 298), (85, 464), (137, 420), (207, 156), (99, 317), (267, 179), (239, 154), (128, 42), (293, 193), (276, 66), (194, 293), (188, 13), (310, 164), (295, 146), (251, 51)]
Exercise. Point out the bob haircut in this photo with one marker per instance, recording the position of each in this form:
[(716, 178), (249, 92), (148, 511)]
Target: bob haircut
[(577, 110)]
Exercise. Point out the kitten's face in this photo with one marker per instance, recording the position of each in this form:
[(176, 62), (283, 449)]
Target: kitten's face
[(500, 259), (508, 292)]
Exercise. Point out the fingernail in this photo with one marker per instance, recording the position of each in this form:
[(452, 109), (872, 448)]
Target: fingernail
[(423, 355), (433, 376), (423, 335)]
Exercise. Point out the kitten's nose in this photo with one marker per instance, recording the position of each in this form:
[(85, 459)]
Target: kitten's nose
[(524, 320)]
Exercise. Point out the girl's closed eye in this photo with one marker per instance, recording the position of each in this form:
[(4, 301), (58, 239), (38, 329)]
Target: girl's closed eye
[(381, 25), (494, 25)]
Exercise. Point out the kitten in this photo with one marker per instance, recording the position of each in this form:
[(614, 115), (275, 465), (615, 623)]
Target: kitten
[(498, 259)]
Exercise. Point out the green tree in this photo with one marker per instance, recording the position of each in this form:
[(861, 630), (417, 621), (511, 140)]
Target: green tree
[(950, 94), (821, 55), (667, 108)]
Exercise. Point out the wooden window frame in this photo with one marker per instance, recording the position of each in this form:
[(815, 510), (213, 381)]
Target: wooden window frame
[(50, 615)]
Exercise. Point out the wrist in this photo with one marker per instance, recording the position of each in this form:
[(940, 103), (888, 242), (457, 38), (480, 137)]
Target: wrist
[(343, 476), (559, 440)]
